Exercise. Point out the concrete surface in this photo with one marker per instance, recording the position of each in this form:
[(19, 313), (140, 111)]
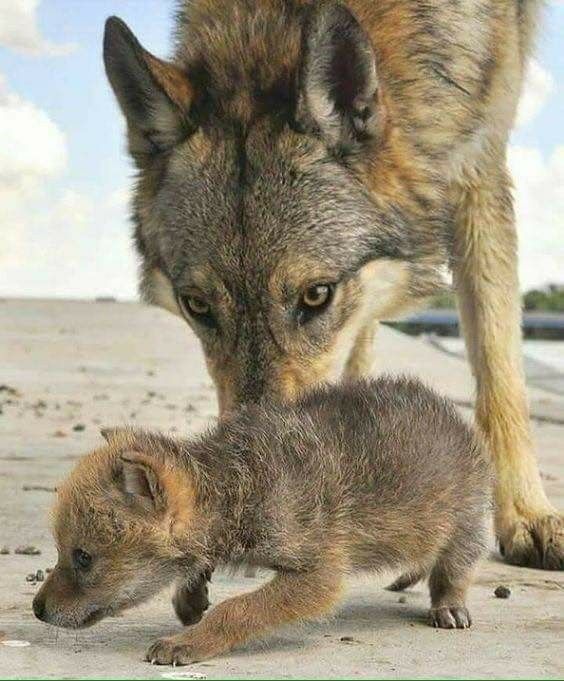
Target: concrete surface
[(65, 364), (544, 360)]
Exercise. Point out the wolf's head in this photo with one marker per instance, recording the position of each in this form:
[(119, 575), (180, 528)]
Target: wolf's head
[(278, 208), (117, 523)]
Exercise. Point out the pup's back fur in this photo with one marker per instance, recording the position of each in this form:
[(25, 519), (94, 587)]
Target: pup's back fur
[(371, 475)]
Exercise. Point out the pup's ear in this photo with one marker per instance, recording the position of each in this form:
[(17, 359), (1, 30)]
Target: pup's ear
[(338, 94), (158, 488), (142, 480), (154, 95)]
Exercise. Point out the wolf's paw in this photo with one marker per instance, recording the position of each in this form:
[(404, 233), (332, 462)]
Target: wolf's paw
[(190, 604), (450, 617), (178, 650), (538, 543)]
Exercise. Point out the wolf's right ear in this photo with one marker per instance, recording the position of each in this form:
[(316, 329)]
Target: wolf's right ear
[(154, 95), (339, 94)]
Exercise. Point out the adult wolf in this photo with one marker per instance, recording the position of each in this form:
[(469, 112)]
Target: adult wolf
[(306, 168)]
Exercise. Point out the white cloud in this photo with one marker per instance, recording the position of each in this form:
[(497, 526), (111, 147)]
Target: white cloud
[(67, 244), (33, 148), (56, 241), (538, 86), (32, 144), (20, 32), (539, 203)]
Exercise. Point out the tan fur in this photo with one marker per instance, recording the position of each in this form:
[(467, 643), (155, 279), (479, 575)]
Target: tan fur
[(172, 80)]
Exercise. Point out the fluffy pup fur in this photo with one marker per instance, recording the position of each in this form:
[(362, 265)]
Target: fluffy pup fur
[(366, 476)]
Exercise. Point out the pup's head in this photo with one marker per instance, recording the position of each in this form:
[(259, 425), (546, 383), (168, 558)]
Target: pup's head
[(116, 523), (278, 208)]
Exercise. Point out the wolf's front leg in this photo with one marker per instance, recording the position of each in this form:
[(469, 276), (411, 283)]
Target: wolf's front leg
[(530, 531), (289, 597), (361, 359)]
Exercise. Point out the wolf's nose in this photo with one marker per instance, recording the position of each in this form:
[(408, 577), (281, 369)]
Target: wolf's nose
[(38, 607)]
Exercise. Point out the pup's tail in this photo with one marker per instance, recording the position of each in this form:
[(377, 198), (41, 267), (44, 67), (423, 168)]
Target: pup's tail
[(406, 580)]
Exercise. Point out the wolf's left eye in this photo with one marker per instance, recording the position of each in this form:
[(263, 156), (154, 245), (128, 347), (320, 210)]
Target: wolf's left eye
[(198, 309), (81, 559)]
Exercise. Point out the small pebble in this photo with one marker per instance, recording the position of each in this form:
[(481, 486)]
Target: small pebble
[(346, 639), (59, 433), (40, 576), (4, 551), (38, 488), (9, 390), (27, 551), (79, 427), (402, 599), (502, 591)]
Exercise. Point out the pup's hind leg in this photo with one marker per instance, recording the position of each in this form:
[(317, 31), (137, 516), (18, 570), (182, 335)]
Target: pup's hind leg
[(448, 585), (452, 573)]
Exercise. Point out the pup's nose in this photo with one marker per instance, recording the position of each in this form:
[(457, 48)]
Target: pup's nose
[(38, 607)]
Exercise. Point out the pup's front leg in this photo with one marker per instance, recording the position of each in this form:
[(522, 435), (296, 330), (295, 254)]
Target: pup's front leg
[(190, 603), (289, 597)]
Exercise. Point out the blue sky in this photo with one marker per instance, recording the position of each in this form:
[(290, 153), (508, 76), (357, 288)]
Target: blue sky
[(63, 203)]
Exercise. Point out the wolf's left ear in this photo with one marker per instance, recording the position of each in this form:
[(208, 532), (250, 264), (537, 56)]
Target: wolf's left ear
[(141, 480), (338, 91), (154, 95)]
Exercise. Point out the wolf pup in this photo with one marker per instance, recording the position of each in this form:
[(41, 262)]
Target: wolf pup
[(367, 476)]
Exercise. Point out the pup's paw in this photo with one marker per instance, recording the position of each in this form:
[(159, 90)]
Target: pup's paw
[(536, 543), (450, 617), (180, 650), (171, 650)]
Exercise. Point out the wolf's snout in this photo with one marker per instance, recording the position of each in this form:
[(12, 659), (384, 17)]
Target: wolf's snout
[(39, 607)]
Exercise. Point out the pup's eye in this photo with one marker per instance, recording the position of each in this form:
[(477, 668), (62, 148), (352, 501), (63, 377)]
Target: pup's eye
[(81, 559), (198, 309), (315, 300)]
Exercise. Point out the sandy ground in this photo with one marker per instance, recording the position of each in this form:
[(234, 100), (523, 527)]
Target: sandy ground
[(67, 368)]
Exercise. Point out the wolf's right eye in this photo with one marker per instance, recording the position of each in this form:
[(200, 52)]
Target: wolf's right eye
[(81, 559), (314, 300)]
